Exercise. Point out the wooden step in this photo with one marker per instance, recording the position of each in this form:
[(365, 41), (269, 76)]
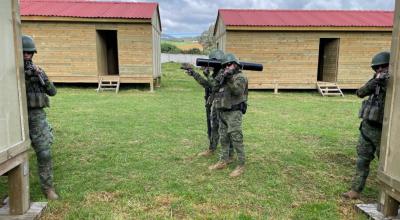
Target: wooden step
[(334, 94), (329, 89), (107, 83)]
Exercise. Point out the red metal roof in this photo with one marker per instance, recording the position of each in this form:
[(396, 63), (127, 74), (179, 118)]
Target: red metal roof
[(306, 18), (87, 9)]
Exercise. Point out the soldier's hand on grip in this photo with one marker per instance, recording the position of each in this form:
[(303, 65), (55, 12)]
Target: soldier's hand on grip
[(206, 71), (188, 67)]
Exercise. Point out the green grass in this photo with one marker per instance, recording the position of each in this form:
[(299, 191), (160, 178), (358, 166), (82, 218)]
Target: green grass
[(133, 156)]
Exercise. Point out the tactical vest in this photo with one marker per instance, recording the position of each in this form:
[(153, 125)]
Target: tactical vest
[(35, 92), (372, 109), (225, 99)]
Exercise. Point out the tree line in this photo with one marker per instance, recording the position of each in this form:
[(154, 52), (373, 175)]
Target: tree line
[(206, 39)]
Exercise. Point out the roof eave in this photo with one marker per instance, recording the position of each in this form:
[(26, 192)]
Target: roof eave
[(305, 28), (84, 19)]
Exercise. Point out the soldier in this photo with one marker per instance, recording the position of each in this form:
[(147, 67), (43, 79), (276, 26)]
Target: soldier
[(231, 103), (38, 87), (371, 113), (210, 86)]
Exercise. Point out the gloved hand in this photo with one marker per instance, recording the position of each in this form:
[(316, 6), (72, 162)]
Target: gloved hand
[(206, 71), (188, 67), (382, 78)]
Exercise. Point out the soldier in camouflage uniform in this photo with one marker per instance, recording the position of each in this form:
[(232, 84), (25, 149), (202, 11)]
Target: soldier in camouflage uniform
[(38, 87), (231, 103), (210, 86), (371, 113)]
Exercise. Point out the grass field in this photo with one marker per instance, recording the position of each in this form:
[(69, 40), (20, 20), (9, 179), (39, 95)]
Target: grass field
[(133, 156), (184, 45)]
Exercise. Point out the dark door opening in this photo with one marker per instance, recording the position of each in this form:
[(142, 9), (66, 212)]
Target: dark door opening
[(107, 52), (328, 59)]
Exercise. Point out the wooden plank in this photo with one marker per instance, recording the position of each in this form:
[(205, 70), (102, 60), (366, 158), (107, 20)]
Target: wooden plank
[(18, 184), (34, 212), (391, 206), (371, 210), (12, 163), (388, 172)]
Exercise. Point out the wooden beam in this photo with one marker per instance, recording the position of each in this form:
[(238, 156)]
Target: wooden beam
[(388, 171), (391, 206), (18, 185), (392, 103)]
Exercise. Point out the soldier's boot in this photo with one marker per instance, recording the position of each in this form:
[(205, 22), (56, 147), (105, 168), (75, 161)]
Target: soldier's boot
[(239, 170), (206, 153), (351, 195), (51, 194), (218, 166)]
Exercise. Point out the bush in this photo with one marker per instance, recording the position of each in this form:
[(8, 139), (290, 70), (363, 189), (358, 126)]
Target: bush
[(169, 48), (192, 51)]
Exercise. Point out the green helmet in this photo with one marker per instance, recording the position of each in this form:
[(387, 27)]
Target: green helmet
[(380, 58), (28, 44), (230, 58), (216, 55)]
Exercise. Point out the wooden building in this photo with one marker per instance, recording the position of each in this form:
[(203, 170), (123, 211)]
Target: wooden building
[(300, 47), (14, 134), (82, 41)]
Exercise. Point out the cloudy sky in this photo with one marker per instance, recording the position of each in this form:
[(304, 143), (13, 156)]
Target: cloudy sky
[(192, 17)]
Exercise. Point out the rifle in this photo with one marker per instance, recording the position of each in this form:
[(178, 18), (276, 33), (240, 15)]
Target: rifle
[(217, 64), (32, 70)]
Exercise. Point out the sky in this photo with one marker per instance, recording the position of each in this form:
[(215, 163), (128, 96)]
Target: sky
[(181, 18)]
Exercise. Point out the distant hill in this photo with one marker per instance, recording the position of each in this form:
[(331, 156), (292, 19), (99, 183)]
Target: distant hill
[(167, 37)]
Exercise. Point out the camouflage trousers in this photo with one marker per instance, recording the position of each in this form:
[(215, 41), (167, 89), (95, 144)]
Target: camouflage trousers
[(214, 130), (368, 145), (230, 133), (41, 136)]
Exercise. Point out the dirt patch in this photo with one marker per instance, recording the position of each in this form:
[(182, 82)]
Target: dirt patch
[(336, 158), (102, 197), (56, 213)]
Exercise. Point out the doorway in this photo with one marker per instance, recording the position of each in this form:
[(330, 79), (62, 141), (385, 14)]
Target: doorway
[(328, 59), (107, 52)]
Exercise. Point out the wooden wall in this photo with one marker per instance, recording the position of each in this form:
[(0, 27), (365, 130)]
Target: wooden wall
[(220, 35), (290, 58), (156, 33), (68, 52)]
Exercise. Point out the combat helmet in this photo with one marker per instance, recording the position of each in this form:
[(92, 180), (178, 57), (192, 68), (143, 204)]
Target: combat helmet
[(380, 58), (28, 44), (216, 54), (230, 58)]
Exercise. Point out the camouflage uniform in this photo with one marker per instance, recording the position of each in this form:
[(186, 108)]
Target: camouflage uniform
[(230, 101), (211, 86), (40, 130), (369, 140)]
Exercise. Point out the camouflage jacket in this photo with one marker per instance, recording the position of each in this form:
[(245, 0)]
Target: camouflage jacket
[(210, 84), (372, 109), (233, 90), (37, 89)]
